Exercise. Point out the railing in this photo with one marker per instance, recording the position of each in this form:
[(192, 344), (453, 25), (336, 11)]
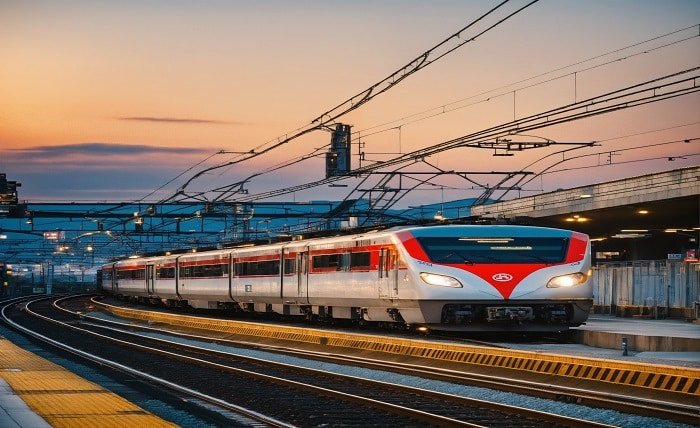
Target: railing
[(648, 288)]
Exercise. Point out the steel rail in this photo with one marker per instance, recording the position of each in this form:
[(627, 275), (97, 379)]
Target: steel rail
[(545, 416), (629, 404), (138, 374), (423, 416)]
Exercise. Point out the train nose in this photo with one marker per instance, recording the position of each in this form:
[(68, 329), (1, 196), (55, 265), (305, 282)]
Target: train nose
[(504, 278)]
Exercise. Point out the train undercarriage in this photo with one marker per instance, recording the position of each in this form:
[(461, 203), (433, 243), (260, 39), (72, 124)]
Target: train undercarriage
[(528, 316), (520, 316)]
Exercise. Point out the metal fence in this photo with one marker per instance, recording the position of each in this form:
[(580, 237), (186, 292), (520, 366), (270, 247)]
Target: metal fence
[(656, 288)]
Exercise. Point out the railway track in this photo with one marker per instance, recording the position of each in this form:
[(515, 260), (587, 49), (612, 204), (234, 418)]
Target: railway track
[(627, 403), (283, 392), (186, 406), (640, 406)]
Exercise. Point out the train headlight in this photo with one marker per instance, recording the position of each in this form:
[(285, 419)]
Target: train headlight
[(441, 280), (570, 280)]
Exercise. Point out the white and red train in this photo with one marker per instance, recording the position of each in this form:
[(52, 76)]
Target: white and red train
[(442, 277)]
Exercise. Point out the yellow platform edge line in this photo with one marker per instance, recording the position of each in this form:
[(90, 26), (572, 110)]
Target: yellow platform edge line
[(65, 399)]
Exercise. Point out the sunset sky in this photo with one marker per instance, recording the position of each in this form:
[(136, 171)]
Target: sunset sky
[(105, 100)]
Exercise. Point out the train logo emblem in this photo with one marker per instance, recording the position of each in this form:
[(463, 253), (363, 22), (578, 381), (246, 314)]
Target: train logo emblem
[(502, 277)]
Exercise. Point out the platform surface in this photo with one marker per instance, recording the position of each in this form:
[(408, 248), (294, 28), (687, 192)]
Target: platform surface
[(647, 327), (35, 392), (642, 335), (676, 342), (14, 412)]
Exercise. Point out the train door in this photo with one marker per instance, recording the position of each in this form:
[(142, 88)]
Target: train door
[(150, 279), (177, 277), (393, 274), (283, 269), (388, 274), (115, 280), (293, 286), (231, 292), (303, 275)]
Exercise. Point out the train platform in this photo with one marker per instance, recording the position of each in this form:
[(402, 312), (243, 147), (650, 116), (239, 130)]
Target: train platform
[(37, 393), (672, 342), (641, 335)]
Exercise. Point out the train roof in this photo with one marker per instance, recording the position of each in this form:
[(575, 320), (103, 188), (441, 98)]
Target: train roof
[(486, 231)]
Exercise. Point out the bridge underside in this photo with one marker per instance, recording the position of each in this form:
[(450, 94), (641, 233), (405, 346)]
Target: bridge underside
[(646, 217)]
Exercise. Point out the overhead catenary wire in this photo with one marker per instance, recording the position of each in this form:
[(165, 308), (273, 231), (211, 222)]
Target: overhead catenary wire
[(226, 191), (223, 196), (445, 108), (631, 96), (549, 170), (363, 97), (520, 185), (601, 100)]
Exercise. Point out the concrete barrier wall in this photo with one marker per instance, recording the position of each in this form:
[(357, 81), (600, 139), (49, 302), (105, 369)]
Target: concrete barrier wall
[(653, 288)]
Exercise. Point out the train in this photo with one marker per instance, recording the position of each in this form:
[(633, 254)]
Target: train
[(442, 277)]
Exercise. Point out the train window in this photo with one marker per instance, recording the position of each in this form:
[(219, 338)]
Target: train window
[(359, 260), (289, 265), (203, 271), (132, 274), (257, 268), (383, 263), (387, 262), (327, 261), (345, 261), (166, 273), (211, 270), (491, 250)]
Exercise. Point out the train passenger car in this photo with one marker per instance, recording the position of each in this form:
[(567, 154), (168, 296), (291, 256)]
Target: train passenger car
[(441, 277)]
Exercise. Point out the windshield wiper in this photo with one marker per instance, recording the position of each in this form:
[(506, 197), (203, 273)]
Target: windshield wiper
[(455, 255), (536, 257)]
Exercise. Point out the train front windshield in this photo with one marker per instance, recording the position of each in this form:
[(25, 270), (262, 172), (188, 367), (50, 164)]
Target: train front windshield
[(474, 250)]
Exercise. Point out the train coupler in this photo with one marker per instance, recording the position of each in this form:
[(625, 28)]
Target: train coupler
[(509, 313)]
